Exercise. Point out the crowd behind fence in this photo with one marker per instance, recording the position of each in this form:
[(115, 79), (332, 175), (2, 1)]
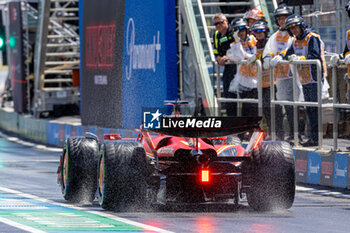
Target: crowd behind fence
[(335, 105)]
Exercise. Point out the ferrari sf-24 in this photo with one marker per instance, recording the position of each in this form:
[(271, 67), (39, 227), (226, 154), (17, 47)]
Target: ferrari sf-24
[(180, 166)]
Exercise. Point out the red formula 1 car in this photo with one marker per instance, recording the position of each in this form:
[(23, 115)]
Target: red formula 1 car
[(190, 165)]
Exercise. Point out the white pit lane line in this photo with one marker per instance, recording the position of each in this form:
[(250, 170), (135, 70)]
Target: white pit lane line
[(20, 226), (30, 229), (29, 144)]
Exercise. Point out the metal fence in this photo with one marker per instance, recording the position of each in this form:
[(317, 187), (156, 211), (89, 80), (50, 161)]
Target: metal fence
[(295, 103), (239, 100)]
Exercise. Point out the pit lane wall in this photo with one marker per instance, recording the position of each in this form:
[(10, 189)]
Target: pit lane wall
[(323, 168), (51, 132), (327, 168)]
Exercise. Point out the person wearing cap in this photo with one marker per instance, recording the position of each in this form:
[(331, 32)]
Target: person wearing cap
[(260, 31), (254, 15), (222, 39), (305, 45), (278, 42), (245, 81)]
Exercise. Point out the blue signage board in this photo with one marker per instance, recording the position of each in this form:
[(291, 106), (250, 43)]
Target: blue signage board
[(313, 168), (53, 133), (67, 131), (149, 58), (340, 170), (92, 129), (79, 130)]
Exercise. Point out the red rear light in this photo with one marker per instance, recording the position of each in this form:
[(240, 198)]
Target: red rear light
[(205, 176), (112, 136), (260, 137)]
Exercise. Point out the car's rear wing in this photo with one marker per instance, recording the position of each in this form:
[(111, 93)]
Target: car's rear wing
[(201, 127)]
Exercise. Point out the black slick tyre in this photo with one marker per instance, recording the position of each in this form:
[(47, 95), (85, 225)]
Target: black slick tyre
[(79, 169), (272, 177), (122, 175)]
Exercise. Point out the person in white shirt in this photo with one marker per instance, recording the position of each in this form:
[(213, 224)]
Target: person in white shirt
[(306, 45), (279, 41), (245, 81)]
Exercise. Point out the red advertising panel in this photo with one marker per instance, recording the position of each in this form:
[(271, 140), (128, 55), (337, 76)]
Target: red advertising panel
[(301, 165), (327, 163), (102, 30)]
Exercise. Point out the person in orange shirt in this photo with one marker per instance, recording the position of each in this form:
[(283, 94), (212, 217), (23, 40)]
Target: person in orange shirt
[(278, 42), (245, 81), (305, 45), (261, 30)]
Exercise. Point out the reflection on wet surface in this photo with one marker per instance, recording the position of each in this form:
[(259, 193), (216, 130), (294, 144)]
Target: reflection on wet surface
[(32, 171), (206, 224)]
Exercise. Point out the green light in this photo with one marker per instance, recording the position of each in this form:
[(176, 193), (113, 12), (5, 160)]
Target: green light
[(1, 42), (12, 42)]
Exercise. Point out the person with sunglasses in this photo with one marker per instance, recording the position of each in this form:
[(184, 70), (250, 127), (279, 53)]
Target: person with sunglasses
[(278, 42), (306, 45), (245, 81), (222, 39), (261, 30)]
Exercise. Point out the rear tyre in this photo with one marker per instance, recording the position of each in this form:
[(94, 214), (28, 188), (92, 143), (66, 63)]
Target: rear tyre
[(272, 177), (122, 175), (79, 169)]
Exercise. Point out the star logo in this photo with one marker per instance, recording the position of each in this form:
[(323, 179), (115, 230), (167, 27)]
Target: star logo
[(151, 120), (156, 115)]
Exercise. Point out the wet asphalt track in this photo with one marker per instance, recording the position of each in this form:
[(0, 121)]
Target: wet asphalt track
[(33, 171)]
